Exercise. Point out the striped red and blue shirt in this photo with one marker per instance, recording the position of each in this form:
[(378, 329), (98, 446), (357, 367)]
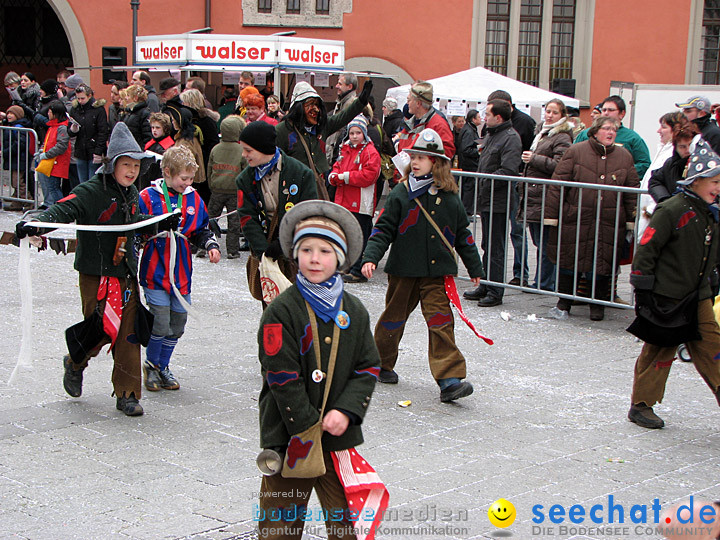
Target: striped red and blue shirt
[(156, 253)]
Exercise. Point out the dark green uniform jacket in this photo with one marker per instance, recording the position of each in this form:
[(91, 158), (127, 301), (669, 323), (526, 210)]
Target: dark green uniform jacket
[(287, 137), (290, 400), (294, 177), (100, 202), (678, 250), (416, 250)]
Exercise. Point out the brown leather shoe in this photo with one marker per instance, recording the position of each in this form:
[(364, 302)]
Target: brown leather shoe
[(644, 416)]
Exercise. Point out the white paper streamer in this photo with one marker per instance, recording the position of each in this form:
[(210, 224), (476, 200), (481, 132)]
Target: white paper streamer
[(24, 362)]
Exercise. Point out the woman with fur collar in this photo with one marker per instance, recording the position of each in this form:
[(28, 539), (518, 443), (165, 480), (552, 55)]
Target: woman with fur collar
[(552, 138)]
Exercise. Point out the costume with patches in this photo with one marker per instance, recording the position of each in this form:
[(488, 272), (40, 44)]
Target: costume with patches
[(417, 264), (676, 255)]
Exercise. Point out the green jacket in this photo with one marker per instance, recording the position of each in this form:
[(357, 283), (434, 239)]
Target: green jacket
[(100, 202), (674, 256), (225, 161), (287, 137), (251, 202), (416, 249), (633, 143), (289, 399)]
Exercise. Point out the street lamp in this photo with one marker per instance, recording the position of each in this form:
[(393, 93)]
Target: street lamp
[(135, 6)]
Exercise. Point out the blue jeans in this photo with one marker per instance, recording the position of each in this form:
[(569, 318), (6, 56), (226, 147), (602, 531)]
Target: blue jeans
[(519, 242), (50, 186), (86, 169), (545, 270)]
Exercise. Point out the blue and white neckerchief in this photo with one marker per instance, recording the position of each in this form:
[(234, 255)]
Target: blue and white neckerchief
[(312, 130), (262, 170), (418, 185), (324, 298)]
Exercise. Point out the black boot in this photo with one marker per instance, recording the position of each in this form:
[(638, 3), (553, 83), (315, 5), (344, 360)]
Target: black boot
[(73, 379), (565, 285), (129, 405), (644, 416), (597, 312), (476, 294)]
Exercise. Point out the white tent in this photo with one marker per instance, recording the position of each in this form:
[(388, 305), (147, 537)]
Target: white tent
[(469, 89)]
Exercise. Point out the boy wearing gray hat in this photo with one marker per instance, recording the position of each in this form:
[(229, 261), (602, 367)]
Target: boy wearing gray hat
[(672, 272), (107, 264)]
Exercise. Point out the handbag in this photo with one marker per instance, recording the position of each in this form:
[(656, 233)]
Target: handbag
[(304, 454), (253, 265), (272, 280), (319, 180), (45, 166), (667, 323)]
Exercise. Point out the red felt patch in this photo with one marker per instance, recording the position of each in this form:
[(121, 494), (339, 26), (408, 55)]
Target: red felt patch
[(107, 214), (647, 236), (272, 338), (685, 219), (240, 198), (68, 198), (243, 221)]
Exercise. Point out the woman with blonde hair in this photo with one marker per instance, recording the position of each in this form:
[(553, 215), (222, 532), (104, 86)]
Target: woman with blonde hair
[(137, 115), (205, 120)]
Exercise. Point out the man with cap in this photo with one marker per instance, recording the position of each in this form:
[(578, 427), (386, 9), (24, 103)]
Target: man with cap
[(306, 127), (392, 117), (71, 83), (298, 366), (697, 110), (107, 264), (675, 260), (271, 184), (170, 99), (423, 116)]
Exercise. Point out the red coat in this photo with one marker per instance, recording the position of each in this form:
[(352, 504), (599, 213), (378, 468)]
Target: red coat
[(57, 146), (435, 122), (268, 120), (362, 164)]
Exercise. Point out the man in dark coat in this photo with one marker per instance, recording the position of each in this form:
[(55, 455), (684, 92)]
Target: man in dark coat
[(142, 78), (500, 155), (393, 117), (468, 157), (697, 110)]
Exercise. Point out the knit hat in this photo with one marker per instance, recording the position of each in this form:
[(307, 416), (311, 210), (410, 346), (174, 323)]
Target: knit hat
[(598, 108), (428, 143), (17, 111), (423, 90), (390, 103), (73, 81), (701, 103), (168, 83), (50, 87), (360, 122), (261, 136), (702, 163), (122, 143), (303, 91), (326, 220)]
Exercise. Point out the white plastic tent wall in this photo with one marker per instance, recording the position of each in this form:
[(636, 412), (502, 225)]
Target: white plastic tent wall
[(473, 86)]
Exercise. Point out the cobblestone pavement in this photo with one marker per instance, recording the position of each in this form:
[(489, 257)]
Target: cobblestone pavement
[(546, 425)]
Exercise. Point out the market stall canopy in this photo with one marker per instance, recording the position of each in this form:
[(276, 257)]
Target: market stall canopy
[(470, 89), (228, 52)]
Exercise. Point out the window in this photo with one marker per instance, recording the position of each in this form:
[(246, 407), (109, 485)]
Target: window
[(562, 41), (264, 6), (496, 36), (293, 6), (529, 42), (710, 44), (322, 7)]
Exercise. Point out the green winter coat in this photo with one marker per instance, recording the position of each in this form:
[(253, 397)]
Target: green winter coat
[(225, 161), (674, 256), (251, 202), (100, 202), (416, 249), (287, 138), (290, 400)]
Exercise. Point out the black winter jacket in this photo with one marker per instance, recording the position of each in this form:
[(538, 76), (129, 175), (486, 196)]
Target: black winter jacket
[(500, 155), (664, 179), (137, 119), (92, 137)]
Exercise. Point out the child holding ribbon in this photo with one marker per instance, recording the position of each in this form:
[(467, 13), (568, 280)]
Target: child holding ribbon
[(168, 299), (425, 221)]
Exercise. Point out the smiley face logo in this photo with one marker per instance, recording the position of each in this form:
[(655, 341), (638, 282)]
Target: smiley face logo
[(501, 513)]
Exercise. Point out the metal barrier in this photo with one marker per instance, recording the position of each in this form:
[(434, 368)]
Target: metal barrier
[(17, 150), (585, 285)]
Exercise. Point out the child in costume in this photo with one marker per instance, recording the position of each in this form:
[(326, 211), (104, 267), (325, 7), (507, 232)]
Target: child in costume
[(354, 174), (676, 258), (58, 148), (324, 238), (168, 300), (107, 264), (418, 261), (160, 125), (224, 165)]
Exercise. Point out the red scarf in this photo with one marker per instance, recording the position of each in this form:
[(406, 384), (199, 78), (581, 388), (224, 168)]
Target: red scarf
[(109, 289)]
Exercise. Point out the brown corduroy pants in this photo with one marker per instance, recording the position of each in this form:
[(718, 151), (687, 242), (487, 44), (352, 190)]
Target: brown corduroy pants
[(653, 365)]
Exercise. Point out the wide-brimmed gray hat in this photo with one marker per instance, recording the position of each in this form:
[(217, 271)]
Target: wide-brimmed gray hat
[(122, 143), (326, 209), (428, 143)]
